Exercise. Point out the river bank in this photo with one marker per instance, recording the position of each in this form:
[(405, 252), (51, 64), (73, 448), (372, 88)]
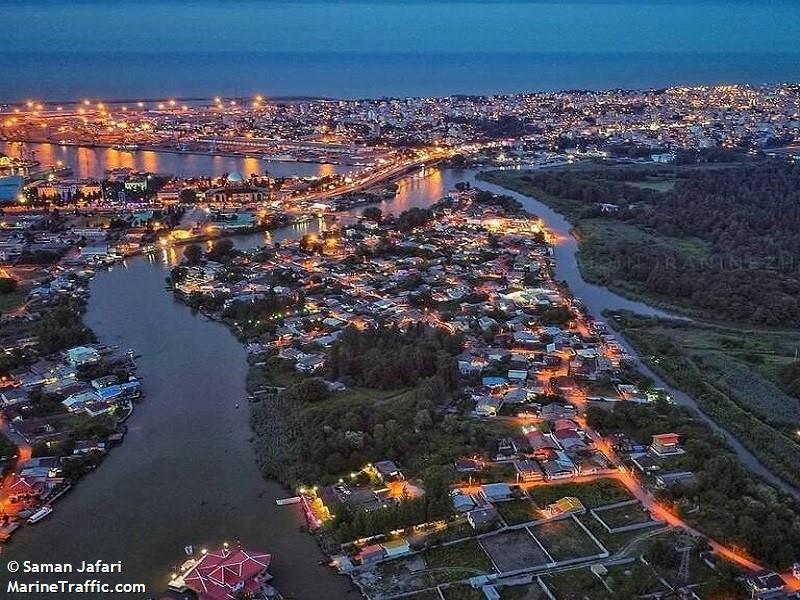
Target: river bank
[(186, 473), (602, 302)]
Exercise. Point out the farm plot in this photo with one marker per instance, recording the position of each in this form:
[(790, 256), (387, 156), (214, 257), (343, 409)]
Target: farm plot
[(565, 540), (519, 511), (624, 517), (514, 550)]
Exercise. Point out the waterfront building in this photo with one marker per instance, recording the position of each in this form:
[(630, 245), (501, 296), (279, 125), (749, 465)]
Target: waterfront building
[(224, 573)]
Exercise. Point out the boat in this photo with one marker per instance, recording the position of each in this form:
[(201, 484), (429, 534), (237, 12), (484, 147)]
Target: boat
[(39, 515)]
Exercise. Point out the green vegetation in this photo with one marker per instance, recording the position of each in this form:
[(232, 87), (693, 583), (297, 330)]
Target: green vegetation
[(728, 503), (8, 449), (523, 592), (623, 516), (11, 296), (460, 591), (466, 555), (592, 494), (564, 540), (519, 511), (735, 378), (613, 542), (717, 241), (388, 359), (61, 328), (576, 584)]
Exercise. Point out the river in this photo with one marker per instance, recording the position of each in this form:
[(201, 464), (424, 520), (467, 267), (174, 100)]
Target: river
[(185, 473), (94, 162)]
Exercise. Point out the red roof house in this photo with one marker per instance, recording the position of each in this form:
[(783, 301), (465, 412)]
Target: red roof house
[(221, 574)]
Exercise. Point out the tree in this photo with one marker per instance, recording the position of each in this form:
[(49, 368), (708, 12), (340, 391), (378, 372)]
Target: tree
[(7, 285), (188, 196), (193, 254), (372, 213), (220, 250)]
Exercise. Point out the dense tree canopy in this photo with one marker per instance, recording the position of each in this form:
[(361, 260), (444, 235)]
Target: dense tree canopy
[(746, 219)]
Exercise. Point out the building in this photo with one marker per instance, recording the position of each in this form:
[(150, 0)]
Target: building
[(566, 505), (482, 518), (496, 492), (666, 444), (10, 188), (396, 548), (224, 574), (765, 585), (528, 470)]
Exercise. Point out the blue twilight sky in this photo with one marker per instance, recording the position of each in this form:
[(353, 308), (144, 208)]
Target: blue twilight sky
[(392, 26)]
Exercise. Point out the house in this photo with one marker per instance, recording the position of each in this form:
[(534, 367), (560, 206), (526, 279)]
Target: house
[(469, 465), (496, 492), (396, 548), (506, 449), (566, 505), (461, 502), (541, 446), (482, 518), (310, 363), (666, 444), (82, 355), (675, 479), (528, 470), (77, 402), (559, 467), (488, 406), (388, 470), (371, 554), (224, 574), (765, 585), (646, 463)]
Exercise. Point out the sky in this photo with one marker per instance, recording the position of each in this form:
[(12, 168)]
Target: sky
[(153, 26)]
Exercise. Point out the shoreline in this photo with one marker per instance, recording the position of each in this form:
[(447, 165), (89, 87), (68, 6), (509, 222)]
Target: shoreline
[(747, 455)]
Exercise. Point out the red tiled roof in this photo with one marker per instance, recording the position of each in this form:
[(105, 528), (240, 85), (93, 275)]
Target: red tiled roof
[(218, 574)]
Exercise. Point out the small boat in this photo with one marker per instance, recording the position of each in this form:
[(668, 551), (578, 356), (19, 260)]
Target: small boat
[(39, 515)]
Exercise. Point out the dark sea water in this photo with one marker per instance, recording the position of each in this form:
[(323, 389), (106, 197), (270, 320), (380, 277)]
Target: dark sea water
[(156, 48)]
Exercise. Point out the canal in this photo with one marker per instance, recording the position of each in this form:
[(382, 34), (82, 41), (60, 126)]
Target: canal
[(95, 162), (186, 472)]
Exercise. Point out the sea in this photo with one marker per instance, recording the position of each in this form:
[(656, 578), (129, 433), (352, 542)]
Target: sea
[(55, 50)]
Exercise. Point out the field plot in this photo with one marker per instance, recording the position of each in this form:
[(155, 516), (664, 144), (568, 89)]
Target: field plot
[(514, 550), (420, 572), (460, 591), (592, 494), (578, 584), (631, 515), (565, 539), (466, 558), (531, 591), (519, 511)]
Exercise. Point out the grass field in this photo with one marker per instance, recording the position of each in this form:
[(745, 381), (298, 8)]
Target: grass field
[(622, 516), (531, 591), (12, 300), (576, 584), (460, 591), (513, 550), (733, 374), (592, 494), (565, 540), (467, 556), (519, 511), (614, 542)]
